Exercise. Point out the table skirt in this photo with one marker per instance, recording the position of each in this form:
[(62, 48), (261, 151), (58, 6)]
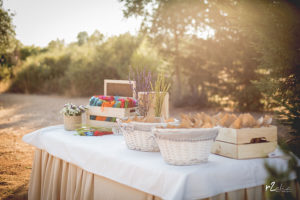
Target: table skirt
[(53, 178)]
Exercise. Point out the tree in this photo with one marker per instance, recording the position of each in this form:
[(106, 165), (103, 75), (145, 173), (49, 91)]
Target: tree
[(281, 56), (7, 44), (56, 44), (180, 29), (28, 51), (82, 38), (275, 34), (7, 31), (96, 38), (166, 22)]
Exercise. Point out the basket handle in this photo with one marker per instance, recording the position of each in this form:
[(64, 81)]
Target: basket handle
[(124, 126), (129, 127), (120, 125), (153, 133)]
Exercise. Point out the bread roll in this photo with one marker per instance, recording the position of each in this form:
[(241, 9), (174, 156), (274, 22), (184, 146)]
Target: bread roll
[(237, 124)]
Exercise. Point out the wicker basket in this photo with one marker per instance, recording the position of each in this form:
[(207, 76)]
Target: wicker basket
[(138, 135), (72, 122), (185, 146)]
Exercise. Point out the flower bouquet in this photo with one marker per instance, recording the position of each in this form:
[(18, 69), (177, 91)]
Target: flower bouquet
[(72, 116)]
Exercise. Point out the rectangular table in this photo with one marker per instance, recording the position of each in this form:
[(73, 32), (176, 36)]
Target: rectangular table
[(81, 167)]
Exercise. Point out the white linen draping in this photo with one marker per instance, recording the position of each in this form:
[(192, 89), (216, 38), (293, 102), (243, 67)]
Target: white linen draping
[(53, 178), (108, 157)]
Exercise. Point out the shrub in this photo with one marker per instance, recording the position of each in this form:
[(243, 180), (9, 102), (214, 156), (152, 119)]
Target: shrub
[(41, 74)]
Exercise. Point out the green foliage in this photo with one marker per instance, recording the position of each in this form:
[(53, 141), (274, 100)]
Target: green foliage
[(76, 70), (82, 38), (86, 78), (7, 39), (7, 61), (6, 73), (280, 176), (7, 31), (146, 56), (278, 43), (245, 62), (28, 51), (41, 74), (110, 60), (96, 38), (223, 64), (56, 44), (118, 51), (166, 23)]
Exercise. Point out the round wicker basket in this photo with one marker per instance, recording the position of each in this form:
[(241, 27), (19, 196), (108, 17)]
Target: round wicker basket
[(72, 122), (138, 135), (185, 146)]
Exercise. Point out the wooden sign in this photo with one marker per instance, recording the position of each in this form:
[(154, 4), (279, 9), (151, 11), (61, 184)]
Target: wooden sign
[(121, 88)]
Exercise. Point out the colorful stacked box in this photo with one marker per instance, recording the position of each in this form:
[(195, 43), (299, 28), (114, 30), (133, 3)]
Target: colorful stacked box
[(111, 101)]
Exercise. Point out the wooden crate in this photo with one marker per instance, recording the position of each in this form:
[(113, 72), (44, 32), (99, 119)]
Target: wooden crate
[(237, 143), (107, 112), (121, 88)]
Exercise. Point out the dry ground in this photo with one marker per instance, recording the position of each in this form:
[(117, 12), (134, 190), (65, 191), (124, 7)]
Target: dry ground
[(21, 114)]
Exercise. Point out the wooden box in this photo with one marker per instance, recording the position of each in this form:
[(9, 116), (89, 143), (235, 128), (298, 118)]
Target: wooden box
[(239, 143), (122, 88), (107, 112)]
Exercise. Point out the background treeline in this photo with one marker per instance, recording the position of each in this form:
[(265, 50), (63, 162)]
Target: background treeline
[(239, 54), (77, 69)]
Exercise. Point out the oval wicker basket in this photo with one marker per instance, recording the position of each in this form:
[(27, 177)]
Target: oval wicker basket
[(71, 123), (138, 135), (185, 146)]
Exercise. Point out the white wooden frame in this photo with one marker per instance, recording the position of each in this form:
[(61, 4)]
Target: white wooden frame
[(133, 83)]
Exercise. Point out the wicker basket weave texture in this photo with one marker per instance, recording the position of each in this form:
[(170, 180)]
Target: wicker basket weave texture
[(139, 136), (185, 153), (72, 122), (140, 140), (185, 147)]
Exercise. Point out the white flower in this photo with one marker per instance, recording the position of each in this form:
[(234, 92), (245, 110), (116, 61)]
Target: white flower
[(70, 109)]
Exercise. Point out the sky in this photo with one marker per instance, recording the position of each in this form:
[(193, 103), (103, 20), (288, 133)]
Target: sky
[(40, 21)]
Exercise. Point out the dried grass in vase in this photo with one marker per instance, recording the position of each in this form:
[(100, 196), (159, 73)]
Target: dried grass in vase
[(161, 88)]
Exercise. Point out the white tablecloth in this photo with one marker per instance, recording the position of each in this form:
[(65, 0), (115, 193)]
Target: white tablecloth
[(109, 157)]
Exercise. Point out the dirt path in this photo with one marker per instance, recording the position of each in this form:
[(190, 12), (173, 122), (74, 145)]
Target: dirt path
[(21, 114)]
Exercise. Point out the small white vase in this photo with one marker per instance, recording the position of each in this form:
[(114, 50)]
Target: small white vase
[(71, 123)]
